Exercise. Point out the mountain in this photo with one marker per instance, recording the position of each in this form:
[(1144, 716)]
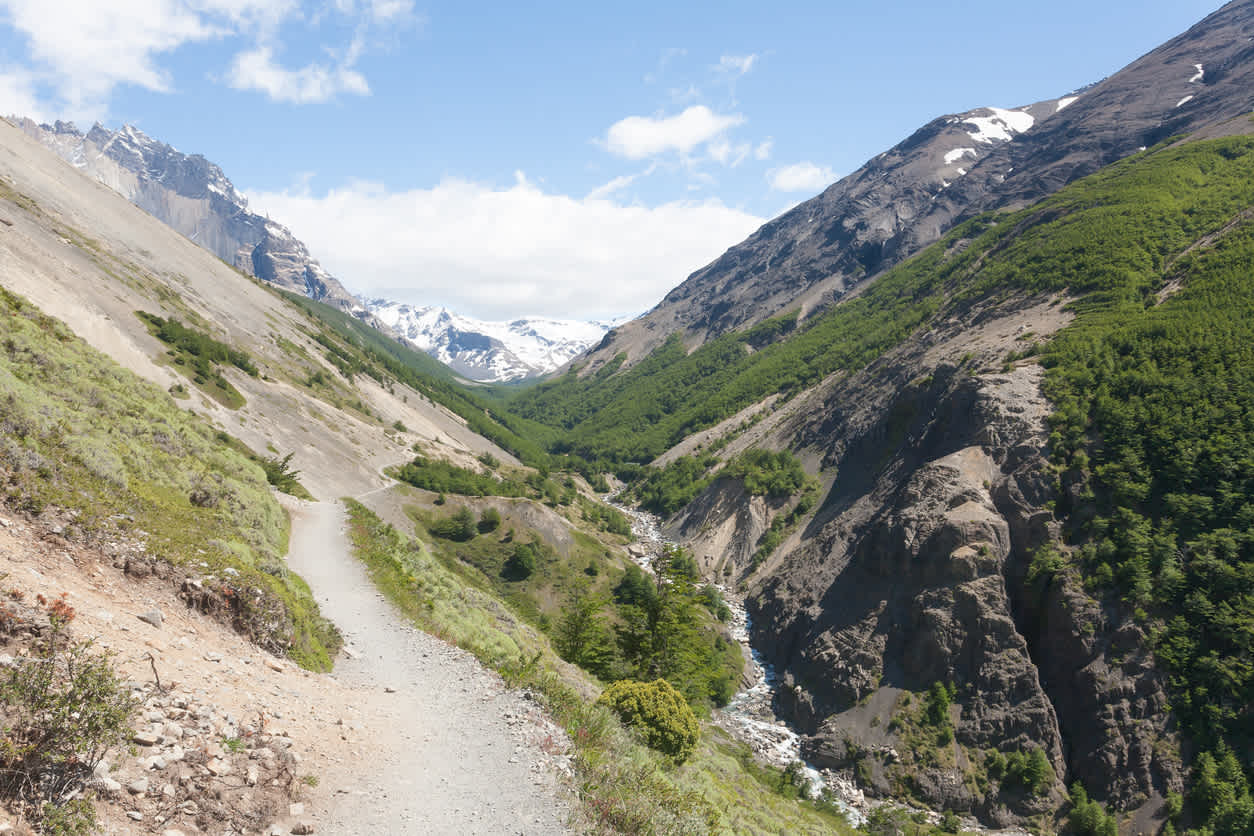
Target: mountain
[(194, 197), (497, 352), (1016, 394), (953, 168)]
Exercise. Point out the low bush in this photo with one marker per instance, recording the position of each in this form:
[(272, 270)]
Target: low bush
[(658, 712), (63, 709)]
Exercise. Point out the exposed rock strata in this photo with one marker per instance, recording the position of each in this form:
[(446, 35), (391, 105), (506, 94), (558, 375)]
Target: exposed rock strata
[(916, 569)]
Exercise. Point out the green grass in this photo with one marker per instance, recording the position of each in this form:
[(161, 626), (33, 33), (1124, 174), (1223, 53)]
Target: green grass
[(80, 433)]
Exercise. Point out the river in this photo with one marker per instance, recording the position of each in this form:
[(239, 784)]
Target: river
[(750, 715)]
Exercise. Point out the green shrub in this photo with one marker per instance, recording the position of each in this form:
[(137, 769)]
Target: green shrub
[(521, 564), (1088, 818), (64, 708), (658, 712), (460, 527), (764, 473), (489, 520)]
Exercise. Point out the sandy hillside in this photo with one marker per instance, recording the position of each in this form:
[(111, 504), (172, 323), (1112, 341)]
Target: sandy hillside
[(85, 255)]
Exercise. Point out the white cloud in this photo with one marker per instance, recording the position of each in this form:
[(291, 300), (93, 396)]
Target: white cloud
[(729, 153), (800, 177), (606, 190), (257, 70), (390, 10), (87, 47), (736, 65), (637, 137), (19, 97), (79, 51), (498, 252), (763, 151)]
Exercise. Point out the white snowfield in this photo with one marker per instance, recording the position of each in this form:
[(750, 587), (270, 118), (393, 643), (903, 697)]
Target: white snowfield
[(953, 156), (1000, 127), (491, 351), (1199, 75)]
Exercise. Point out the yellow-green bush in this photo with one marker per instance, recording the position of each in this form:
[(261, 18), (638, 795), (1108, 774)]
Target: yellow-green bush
[(658, 712)]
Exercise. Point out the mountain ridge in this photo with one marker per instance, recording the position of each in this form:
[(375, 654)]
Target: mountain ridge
[(193, 196), (490, 351), (866, 227)]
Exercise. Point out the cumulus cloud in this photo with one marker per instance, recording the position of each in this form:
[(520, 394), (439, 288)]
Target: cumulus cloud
[(79, 51), (19, 94), (637, 137), (257, 70), (87, 47), (500, 252), (800, 177)]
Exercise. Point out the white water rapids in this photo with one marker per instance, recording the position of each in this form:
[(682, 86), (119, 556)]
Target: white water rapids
[(749, 715)]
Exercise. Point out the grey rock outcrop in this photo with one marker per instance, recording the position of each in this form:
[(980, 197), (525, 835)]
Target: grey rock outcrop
[(194, 197)]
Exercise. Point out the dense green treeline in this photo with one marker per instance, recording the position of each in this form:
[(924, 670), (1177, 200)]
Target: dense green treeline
[(638, 414), (1155, 423)]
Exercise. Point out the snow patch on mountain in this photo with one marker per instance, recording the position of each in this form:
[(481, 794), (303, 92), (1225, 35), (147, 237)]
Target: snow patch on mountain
[(486, 351), (1000, 127), (953, 156)]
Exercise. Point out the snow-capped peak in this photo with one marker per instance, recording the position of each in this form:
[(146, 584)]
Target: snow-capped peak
[(490, 351)]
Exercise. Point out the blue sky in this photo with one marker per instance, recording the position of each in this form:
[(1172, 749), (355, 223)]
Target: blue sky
[(568, 159)]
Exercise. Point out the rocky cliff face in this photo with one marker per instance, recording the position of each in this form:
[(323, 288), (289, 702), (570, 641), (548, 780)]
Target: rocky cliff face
[(918, 568), (194, 197), (950, 169)]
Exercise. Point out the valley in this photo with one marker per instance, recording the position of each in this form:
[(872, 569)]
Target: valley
[(925, 509)]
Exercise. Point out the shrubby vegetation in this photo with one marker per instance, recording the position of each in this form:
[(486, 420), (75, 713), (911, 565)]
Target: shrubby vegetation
[(665, 631), (199, 356), (658, 712), (80, 433), (1088, 818), (777, 475), (64, 709), (664, 491)]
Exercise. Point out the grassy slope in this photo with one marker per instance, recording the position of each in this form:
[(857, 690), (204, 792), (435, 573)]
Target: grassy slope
[(80, 433), (354, 347)]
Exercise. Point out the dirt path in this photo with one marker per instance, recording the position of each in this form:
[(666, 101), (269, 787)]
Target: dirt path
[(452, 750)]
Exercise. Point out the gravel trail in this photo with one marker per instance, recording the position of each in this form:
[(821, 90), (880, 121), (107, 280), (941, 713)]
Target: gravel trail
[(452, 750)]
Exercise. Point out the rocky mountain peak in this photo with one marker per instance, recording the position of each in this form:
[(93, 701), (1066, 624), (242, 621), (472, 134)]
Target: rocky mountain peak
[(195, 197), (489, 351)]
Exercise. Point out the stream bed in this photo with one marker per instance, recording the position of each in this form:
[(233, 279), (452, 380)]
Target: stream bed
[(750, 715)]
